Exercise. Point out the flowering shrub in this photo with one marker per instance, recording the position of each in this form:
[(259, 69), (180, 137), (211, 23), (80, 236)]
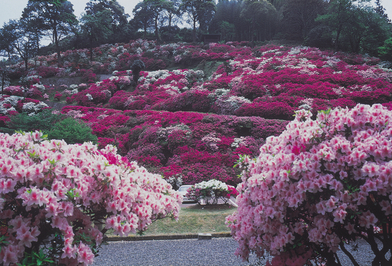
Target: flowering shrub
[(58, 200), (319, 184), (211, 190), (57, 96), (14, 90)]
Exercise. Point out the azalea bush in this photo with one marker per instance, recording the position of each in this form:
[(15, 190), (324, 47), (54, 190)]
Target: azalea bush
[(319, 185), (58, 200), (211, 191), (197, 146)]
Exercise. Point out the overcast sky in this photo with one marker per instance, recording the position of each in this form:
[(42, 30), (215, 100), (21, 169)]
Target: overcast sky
[(12, 9)]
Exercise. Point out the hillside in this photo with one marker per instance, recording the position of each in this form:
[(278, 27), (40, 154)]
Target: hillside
[(195, 108)]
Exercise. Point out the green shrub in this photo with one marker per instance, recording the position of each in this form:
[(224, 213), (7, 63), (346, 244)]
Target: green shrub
[(385, 52), (43, 121), (72, 131)]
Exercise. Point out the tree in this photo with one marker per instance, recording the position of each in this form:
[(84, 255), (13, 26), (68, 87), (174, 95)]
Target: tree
[(143, 17), (356, 26), (261, 18), (368, 30), (174, 13), (57, 18), (199, 12), (118, 24), (96, 27), (157, 7), (299, 17), (340, 16), (385, 51), (227, 17), (21, 40), (35, 24), (8, 37), (381, 10)]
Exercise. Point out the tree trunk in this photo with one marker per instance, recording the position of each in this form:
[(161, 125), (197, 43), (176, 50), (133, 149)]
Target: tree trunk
[(56, 41), (157, 36), (194, 30), (91, 48), (337, 37)]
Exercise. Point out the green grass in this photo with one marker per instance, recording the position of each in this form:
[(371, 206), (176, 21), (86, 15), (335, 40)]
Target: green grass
[(193, 220)]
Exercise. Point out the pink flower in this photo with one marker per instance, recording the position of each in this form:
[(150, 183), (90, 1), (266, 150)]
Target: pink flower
[(367, 219), (26, 236), (85, 255), (298, 149), (9, 254)]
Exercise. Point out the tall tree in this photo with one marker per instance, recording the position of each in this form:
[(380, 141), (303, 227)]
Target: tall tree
[(227, 18), (299, 17), (381, 10), (174, 12), (118, 19), (96, 27), (7, 38), (21, 39), (157, 9), (339, 17), (143, 17), (34, 24), (57, 17), (261, 17), (199, 12)]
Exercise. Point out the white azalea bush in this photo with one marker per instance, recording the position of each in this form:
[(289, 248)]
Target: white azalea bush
[(58, 200), (211, 190), (320, 184)]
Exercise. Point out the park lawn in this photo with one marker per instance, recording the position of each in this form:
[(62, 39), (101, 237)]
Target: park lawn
[(193, 220)]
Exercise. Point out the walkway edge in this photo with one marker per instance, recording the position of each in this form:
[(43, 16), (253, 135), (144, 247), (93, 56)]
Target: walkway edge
[(161, 237)]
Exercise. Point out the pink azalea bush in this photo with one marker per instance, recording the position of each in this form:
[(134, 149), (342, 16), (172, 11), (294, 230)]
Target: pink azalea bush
[(60, 199), (318, 185)]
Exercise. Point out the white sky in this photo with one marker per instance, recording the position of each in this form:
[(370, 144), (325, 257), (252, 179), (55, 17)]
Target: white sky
[(12, 9)]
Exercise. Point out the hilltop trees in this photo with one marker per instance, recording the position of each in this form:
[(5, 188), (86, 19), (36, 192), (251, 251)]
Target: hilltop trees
[(18, 37), (112, 17), (56, 18), (199, 12), (347, 25)]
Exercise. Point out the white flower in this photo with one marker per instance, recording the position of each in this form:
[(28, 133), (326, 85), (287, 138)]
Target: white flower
[(89, 96)]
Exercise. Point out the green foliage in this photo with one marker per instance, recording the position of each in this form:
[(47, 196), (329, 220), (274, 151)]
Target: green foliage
[(36, 259), (385, 51), (43, 121), (72, 132)]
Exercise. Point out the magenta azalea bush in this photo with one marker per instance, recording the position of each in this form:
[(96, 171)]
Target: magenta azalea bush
[(319, 185), (58, 200), (196, 146)]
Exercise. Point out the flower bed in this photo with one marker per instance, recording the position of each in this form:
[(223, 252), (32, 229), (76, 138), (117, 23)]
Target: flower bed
[(180, 143), (270, 82)]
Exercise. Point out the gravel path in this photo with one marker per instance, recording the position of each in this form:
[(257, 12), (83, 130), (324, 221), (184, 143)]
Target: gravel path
[(184, 252), (194, 252)]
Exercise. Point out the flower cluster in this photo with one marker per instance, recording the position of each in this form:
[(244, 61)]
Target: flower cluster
[(320, 183), (62, 198), (211, 190)]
